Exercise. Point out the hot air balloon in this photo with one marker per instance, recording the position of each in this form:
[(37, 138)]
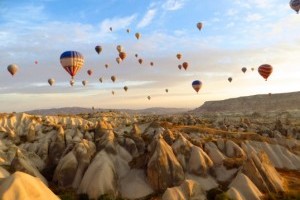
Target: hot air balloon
[(197, 85), (90, 72), (199, 26), (230, 79), (120, 48), (167, 90), (252, 69), (36, 62), (244, 69), (265, 70), (113, 78), (98, 49), (178, 56), (137, 35), (148, 97), (140, 61), (185, 65), (151, 63), (122, 55), (179, 67), (112, 92), (72, 82), (118, 59), (295, 5), (100, 79), (110, 28), (128, 30), (125, 88), (12, 69), (51, 81), (136, 55), (71, 61), (106, 66), (84, 82)]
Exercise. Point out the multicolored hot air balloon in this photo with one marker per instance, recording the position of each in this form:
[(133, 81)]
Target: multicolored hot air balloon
[(185, 65), (84, 82), (265, 71), (72, 62), (113, 78), (125, 88), (244, 69), (98, 49), (51, 81), (178, 56), (12, 69), (197, 85), (122, 55), (137, 35), (230, 79), (295, 5), (199, 25), (90, 72)]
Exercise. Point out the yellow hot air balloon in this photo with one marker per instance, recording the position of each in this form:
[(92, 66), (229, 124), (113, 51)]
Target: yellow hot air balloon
[(51, 81), (137, 35), (12, 69)]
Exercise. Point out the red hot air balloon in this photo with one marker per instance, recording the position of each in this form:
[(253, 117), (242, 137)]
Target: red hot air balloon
[(265, 71), (185, 65), (90, 72), (122, 55)]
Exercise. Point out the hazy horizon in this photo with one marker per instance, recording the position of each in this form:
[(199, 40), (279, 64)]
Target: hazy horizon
[(235, 34)]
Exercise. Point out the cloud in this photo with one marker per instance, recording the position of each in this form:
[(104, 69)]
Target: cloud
[(147, 19), (117, 23), (253, 17), (173, 5)]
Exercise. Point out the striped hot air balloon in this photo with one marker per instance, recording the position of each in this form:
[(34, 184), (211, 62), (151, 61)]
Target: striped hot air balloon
[(197, 85), (265, 71), (72, 62)]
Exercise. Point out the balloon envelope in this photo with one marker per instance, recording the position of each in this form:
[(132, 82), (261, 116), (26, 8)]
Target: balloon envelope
[(71, 61), (140, 61), (84, 83), (244, 69), (113, 78), (122, 55), (118, 59), (185, 65), (197, 85), (51, 81), (179, 67), (178, 56), (125, 88), (100, 79), (98, 49), (137, 35), (12, 69), (148, 97), (90, 72), (199, 25), (120, 48), (229, 79), (265, 70), (295, 5)]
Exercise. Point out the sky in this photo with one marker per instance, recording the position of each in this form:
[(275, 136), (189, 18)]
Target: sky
[(235, 34)]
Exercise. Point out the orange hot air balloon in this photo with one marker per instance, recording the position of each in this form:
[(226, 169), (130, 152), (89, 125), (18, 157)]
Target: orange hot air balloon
[(90, 72), (151, 63), (199, 26), (137, 35), (118, 59), (12, 69), (185, 65), (230, 79), (178, 56), (122, 55), (106, 66), (265, 71), (113, 78), (72, 82), (244, 69), (140, 61), (179, 67), (125, 88)]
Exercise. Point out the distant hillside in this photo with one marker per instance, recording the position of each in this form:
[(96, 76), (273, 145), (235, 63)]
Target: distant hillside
[(257, 103), (78, 110)]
